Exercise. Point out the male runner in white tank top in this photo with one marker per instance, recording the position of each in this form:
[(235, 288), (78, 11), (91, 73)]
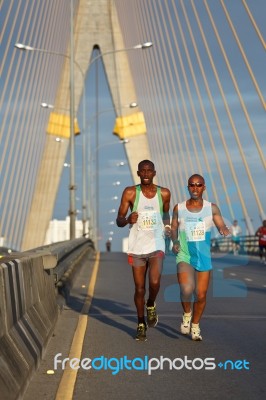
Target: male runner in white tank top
[(149, 223)]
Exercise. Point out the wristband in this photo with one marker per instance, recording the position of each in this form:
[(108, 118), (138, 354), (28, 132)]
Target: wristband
[(167, 226)]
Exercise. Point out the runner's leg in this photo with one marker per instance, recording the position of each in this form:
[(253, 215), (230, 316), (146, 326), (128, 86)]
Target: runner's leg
[(202, 283), (186, 280), (139, 275), (155, 272)]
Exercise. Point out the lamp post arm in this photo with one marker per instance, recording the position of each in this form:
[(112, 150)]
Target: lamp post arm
[(50, 52), (142, 46), (107, 144), (97, 115), (107, 110), (30, 48), (137, 47)]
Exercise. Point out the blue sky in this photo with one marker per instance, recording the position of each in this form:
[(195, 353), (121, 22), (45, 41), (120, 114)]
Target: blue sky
[(159, 101), (23, 124)]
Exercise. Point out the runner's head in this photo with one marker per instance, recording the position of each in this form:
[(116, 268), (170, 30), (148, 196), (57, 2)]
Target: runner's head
[(196, 186), (146, 172)]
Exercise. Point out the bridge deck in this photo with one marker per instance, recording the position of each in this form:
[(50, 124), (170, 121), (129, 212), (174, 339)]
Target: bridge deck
[(233, 328)]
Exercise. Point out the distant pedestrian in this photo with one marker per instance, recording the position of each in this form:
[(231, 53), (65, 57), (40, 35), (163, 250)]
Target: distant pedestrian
[(148, 223), (191, 235), (236, 232), (108, 245), (261, 233)]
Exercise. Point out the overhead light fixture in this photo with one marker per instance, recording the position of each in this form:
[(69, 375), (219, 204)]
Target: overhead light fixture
[(145, 45), (21, 46), (133, 104), (46, 105)]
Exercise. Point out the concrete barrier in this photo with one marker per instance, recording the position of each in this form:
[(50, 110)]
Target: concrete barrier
[(28, 313)]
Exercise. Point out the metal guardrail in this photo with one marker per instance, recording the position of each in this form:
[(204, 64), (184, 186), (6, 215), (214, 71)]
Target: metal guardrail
[(58, 258), (248, 245), (35, 286), (68, 254)]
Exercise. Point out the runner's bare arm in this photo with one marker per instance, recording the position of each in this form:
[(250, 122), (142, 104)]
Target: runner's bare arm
[(166, 197), (127, 201), (174, 230), (218, 221)]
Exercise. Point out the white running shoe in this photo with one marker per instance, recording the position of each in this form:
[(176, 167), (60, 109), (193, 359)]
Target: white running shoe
[(185, 324), (195, 332)]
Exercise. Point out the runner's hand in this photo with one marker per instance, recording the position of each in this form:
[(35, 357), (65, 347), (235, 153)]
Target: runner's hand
[(176, 247), (133, 217)]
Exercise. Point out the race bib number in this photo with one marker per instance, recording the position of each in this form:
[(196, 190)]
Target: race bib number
[(147, 220), (195, 231)]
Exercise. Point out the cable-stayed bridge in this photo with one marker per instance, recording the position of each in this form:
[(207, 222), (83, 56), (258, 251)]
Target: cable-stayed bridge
[(185, 81), (200, 90)]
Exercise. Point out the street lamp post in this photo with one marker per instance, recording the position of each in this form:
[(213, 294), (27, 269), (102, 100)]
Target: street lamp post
[(84, 180), (96, 200), (133, 104), (72, 185)]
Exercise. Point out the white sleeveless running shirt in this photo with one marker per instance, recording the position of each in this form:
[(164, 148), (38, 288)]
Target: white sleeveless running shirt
[(147, 234)]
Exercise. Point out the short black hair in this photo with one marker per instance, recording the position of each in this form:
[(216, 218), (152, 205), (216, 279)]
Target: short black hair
[(145, 162), (197, 176)]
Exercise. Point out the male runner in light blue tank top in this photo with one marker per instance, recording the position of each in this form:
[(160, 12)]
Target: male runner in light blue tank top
[(148, 222), (191, 234)]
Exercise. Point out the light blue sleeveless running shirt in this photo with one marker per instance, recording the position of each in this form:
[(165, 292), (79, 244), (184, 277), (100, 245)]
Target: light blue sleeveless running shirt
[(195, 236)]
